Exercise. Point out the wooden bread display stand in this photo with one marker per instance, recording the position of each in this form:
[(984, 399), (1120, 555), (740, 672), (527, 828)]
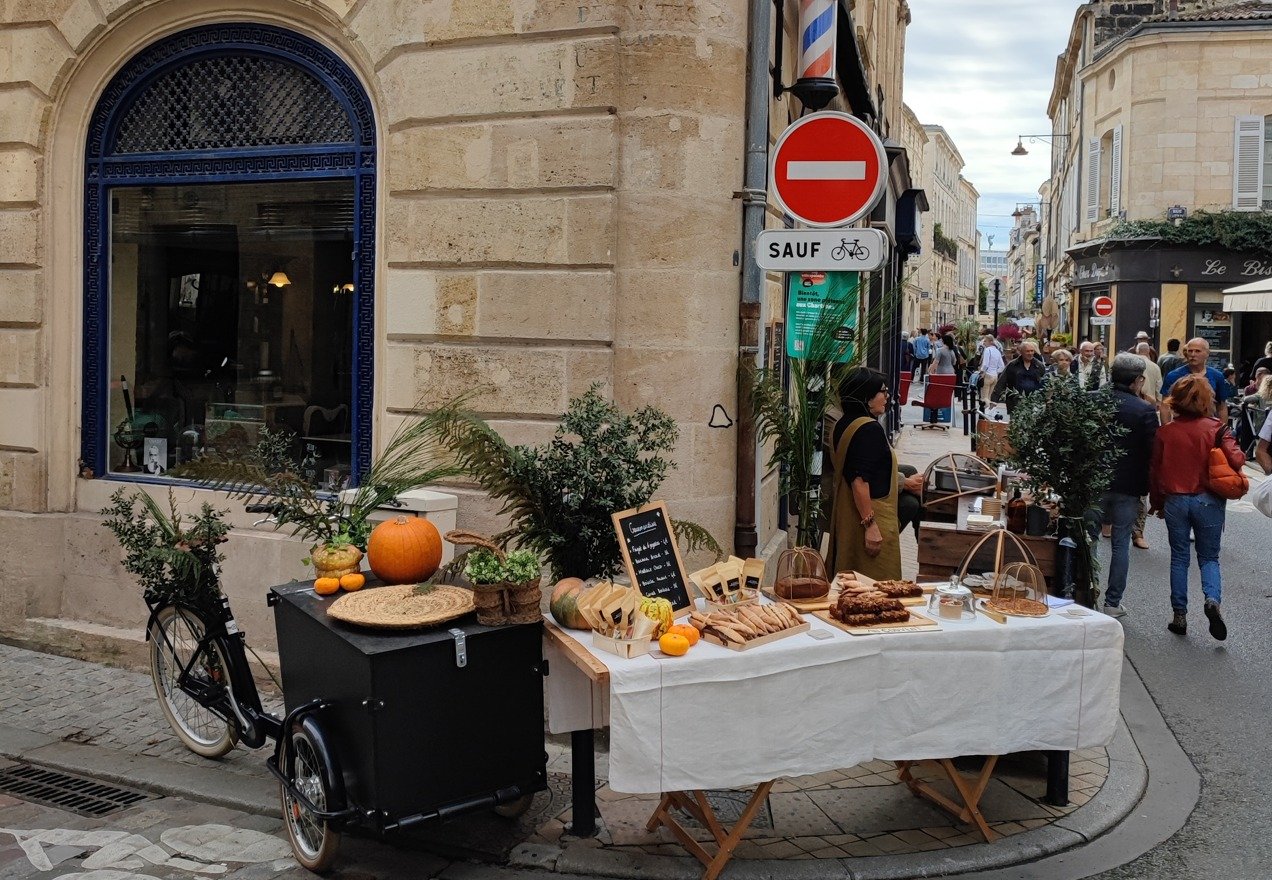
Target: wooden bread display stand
[(969, 791), (695, 804), (756, 642)]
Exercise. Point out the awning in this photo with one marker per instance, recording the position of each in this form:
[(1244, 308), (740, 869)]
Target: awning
[(1253, 297)]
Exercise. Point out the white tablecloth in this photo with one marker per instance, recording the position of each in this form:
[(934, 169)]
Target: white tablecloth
[(723, 719)]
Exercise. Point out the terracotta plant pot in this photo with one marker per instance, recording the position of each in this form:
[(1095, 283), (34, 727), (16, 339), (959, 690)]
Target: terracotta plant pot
[(335, 562)]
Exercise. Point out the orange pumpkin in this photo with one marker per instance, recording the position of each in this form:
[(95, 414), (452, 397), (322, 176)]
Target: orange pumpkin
[(405, 550), (673, 644), (326, 586), (689, 632), (353, 582)]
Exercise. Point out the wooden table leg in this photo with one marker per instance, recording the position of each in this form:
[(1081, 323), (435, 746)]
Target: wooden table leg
[(695, 803), (969, 791)]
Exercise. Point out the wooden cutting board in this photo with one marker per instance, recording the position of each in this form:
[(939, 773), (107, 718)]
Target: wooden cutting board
[(916, 623), (755, 643)]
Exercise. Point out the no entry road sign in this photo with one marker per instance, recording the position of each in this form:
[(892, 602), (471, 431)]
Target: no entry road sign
[(1102, 311), (828, 169)]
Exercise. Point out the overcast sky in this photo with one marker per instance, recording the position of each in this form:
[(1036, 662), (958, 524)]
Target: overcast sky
[(983, 70)]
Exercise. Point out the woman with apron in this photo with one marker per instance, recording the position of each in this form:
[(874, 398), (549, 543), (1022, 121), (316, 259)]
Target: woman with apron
[(864, 532)]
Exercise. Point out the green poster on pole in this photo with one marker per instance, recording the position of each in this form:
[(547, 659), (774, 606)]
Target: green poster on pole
[(821, 298)]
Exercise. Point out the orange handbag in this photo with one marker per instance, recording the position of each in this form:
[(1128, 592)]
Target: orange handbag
[(1221, 479)]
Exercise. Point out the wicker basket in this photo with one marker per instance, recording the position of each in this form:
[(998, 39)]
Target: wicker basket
[(501, 604)]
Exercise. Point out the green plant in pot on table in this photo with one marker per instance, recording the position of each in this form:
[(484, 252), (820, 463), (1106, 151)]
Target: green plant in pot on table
[(559, 496), (1064, 441)]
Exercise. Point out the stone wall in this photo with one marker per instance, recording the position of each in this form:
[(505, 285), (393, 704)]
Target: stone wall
[(556, 210)]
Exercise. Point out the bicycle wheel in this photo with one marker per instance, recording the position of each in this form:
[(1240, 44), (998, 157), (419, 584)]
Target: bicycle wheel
[(313, 840), (174, 638)]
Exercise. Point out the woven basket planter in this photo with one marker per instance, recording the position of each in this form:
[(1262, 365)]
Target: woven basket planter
[(501, 604)]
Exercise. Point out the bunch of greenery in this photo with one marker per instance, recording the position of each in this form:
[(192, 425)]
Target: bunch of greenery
[(559, 496), (791, 419), (481, 566), (173, 559), (269, 474), (1064, 440), (1246, 232)]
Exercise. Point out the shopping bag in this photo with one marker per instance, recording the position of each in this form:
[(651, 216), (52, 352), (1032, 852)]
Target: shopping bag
[(1261, 497), (1221, 479)]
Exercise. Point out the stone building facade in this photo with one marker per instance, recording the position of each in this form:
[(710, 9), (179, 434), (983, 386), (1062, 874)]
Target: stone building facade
[(525, 199), (1160, 110), (947, 266)]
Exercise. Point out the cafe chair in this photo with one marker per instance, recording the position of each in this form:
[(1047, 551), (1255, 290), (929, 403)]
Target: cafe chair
[(903, 387), (938, 394)]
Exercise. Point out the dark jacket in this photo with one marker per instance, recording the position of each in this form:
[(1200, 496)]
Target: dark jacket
[(1020, 380), (1139, 417)]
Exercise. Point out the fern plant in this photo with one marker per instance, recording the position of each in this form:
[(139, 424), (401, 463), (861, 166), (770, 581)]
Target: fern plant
[(559, 496), (173, 558), (266, 474)]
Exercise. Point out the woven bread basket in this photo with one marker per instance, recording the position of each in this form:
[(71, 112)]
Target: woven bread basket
[(504, 603), (401, 607)]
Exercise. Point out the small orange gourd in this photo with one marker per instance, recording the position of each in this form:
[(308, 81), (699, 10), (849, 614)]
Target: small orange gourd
[(353, 582), (326, 586), (404, 550), (673, 644), (689, 632)]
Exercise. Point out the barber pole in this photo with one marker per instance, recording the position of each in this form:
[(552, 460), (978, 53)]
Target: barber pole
[(816, 84)]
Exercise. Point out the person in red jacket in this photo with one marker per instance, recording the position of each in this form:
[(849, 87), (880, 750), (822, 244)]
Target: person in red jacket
[(1177, 491)]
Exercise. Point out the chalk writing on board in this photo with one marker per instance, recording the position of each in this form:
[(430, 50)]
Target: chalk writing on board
[(650, 553)]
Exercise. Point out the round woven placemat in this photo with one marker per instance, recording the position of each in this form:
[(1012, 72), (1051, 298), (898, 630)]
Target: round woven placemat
[(401, 607)]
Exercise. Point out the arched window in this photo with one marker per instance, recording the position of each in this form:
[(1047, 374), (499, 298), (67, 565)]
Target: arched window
[(230, 254)]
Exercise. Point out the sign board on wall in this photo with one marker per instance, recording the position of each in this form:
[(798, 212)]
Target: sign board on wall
[(812, 300), (1040, 282), (799, 250)]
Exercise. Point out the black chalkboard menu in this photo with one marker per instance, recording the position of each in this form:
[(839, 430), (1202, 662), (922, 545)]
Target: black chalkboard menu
[(651, 556)]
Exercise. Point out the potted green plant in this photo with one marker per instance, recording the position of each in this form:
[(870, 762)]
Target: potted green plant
[(559, 496), (174, 557), (336, 527), (1064, 441)]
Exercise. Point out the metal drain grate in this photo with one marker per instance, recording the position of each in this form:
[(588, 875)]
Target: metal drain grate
[(88, 797)]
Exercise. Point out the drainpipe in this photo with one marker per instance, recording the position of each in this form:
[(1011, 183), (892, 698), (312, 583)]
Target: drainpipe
[(754, 201)]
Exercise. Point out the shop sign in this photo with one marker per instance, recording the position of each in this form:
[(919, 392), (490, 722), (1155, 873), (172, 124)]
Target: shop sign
[(799, 250), (814, 299), (1040, 281), (1093, 272)]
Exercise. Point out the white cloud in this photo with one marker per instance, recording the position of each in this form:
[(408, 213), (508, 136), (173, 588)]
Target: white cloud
[(983, 70)]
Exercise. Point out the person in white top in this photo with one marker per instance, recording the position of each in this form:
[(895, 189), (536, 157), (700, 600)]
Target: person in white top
[(1263, 452), (990, 366), (1152, 374)]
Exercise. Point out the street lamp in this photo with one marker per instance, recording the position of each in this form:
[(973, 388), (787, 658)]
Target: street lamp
[(1033, 138)]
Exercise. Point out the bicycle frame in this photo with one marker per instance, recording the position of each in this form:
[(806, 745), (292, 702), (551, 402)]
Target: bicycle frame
[(236, 700)]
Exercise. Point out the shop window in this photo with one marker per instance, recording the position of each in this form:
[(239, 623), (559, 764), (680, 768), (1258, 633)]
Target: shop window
[(230, 233)]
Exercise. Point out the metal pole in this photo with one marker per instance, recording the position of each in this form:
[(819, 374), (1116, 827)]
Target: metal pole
[(755, 198)]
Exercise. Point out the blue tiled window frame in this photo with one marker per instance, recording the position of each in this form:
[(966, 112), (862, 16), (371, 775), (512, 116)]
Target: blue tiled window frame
[(104, 169)]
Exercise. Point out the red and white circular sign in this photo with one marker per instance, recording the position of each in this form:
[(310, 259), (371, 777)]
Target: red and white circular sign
[(1102, 306), (828, 169)]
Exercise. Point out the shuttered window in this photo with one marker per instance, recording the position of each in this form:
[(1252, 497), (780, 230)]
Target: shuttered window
[(1247, 164), (1115, 174), (1093, 180)]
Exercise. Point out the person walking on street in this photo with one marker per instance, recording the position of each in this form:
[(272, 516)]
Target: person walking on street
[(1178, 492), (922, 353), (1171, 359), (1152, 391), (1061, 363), (1021, 377), (1089, 368), (945, 357), (1129, 485), (991, 366), (1196, 355)]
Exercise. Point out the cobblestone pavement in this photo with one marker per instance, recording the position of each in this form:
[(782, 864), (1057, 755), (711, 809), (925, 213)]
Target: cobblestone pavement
[(81, 702)]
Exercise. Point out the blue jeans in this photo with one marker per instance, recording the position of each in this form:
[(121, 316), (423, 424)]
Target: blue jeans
[(1120, 510), (1203, 515)]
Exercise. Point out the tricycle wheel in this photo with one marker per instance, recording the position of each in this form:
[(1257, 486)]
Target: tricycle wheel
[(514, 809), (313, 840)]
